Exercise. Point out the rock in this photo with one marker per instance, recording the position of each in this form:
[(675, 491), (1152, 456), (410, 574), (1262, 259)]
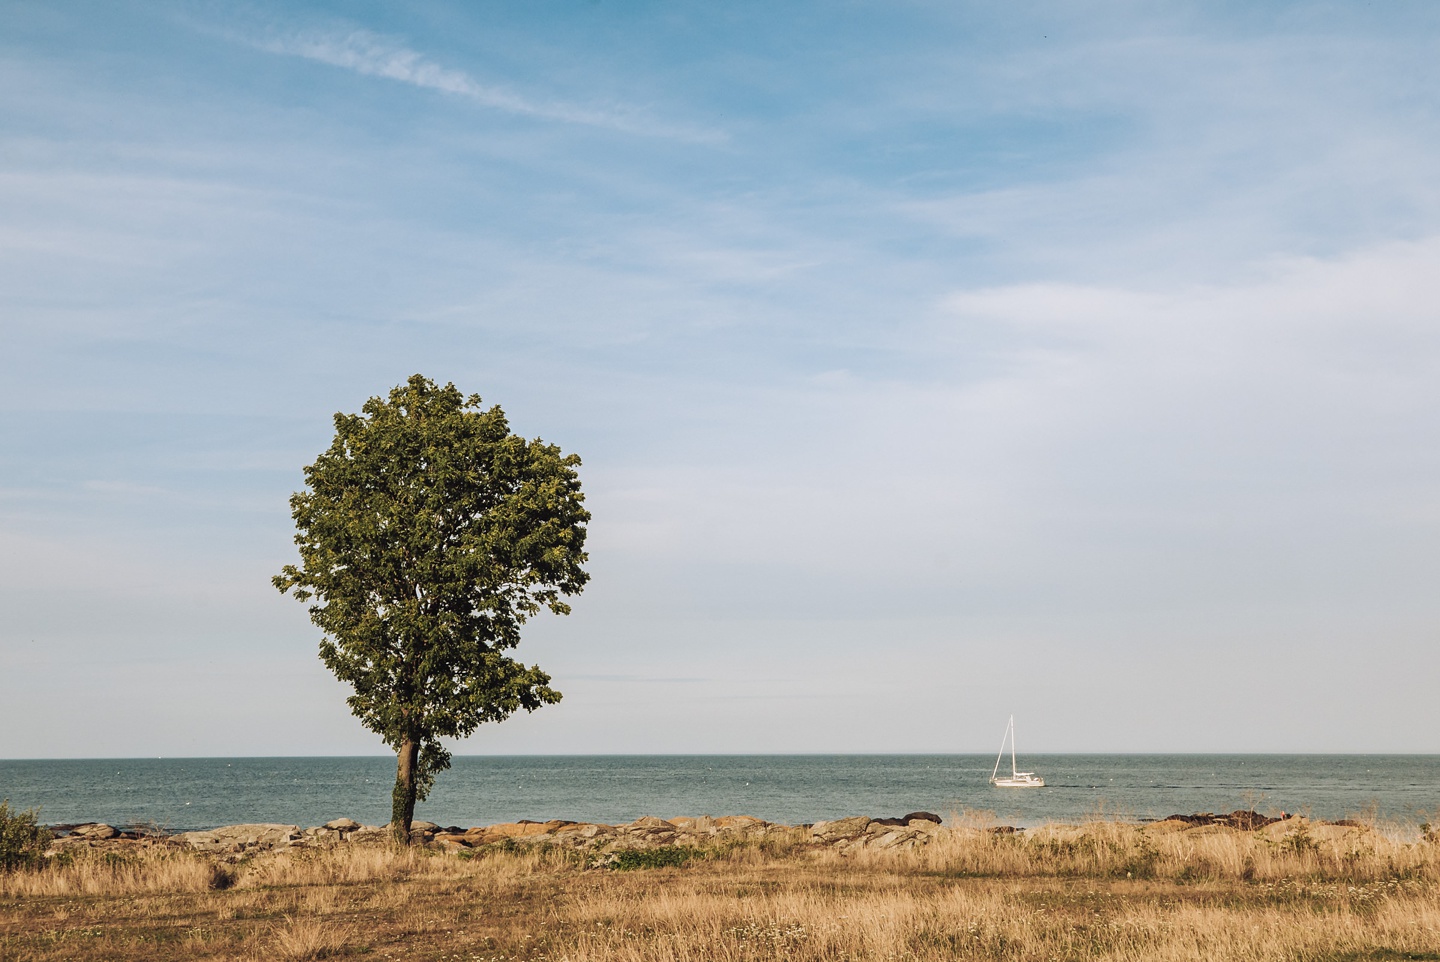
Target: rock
[(1166, 827), (342, 824), (369, 833), (648, 823), (740, 822), (95, 832), (1336, 833), (424, 827), (880, 833), (1248, 821), (1245, 821), (894, 839), (241, 838), (491, 834), (913, 819), (840, 828)]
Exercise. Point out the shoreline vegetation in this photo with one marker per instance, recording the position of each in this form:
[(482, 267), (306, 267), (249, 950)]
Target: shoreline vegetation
[(1238, 886)]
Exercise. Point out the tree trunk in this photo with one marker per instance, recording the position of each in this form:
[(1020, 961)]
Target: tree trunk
[(402, 799)]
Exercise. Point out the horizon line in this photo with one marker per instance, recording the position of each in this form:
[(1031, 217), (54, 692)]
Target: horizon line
[(914, 754)]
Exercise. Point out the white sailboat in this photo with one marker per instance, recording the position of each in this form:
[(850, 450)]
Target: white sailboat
[(1016, 778)]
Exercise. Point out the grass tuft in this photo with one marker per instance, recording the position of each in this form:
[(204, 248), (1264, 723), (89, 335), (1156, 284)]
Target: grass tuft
[(310, 938)]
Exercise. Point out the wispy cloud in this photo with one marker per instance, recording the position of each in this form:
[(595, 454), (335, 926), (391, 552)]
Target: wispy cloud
[(373, 55)]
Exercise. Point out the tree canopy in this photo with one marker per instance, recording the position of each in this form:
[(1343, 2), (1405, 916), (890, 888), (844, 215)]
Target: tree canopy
[(428, 535)]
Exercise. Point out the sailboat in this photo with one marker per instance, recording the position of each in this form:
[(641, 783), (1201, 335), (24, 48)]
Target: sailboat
[(1016, 778)]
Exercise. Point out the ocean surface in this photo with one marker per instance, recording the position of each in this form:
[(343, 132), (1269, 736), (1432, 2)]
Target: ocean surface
[(189, 793)]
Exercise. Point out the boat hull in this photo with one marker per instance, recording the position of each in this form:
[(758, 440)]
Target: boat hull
[(1021, 780)]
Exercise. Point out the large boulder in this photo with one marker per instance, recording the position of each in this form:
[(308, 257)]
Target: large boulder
[(921, 817), (1167, 826), (1248, 820), (242, 838), (840, 829), (585, 830), (895, 838), (491, 834)]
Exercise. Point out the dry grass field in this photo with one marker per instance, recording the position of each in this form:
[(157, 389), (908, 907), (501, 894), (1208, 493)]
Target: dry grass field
[(1106, 890)]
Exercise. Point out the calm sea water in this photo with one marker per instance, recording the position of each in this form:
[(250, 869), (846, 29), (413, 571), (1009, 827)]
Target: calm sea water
[(189, 793)]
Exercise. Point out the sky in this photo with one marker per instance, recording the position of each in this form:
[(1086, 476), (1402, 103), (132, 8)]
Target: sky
[(929, 361)]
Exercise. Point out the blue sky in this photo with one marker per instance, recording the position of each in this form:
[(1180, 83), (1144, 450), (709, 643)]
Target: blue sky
[(929, 362)]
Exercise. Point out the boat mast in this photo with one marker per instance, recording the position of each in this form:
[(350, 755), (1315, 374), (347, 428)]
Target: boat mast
[(1013, 769), (1001, 753)]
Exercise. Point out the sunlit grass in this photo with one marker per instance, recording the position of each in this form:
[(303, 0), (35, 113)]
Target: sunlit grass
[(1104, 890)]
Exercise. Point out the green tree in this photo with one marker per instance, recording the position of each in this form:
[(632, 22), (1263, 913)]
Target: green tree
[(428, 534), (22, 839)]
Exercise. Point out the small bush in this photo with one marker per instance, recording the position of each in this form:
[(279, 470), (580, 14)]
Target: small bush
[(1299, 842), (667, 856), (222, 878), (22, 840), (1142, 860)]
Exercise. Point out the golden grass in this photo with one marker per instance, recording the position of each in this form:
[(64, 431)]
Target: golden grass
[(1291, 849), (312, 937), (1105, 890), (117, 873)]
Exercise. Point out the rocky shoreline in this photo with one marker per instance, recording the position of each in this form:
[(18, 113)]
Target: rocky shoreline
[(914, 830), (231, 842)]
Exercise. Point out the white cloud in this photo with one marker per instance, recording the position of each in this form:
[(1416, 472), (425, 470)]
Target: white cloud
[(1206, 445), (372, 55)]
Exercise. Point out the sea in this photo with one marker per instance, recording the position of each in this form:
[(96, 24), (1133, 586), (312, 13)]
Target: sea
[(181, 794)]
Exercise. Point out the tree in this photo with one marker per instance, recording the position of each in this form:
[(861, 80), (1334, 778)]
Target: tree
[(22, 839), (428, 535)]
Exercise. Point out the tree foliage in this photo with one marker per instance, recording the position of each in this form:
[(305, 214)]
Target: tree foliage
[(22, 839), (428, 535)]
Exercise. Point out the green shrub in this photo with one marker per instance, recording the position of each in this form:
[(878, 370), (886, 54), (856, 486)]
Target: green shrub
[(22, 840), (667, 856), (222, 878), (1142, 861), (1299, 842)]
